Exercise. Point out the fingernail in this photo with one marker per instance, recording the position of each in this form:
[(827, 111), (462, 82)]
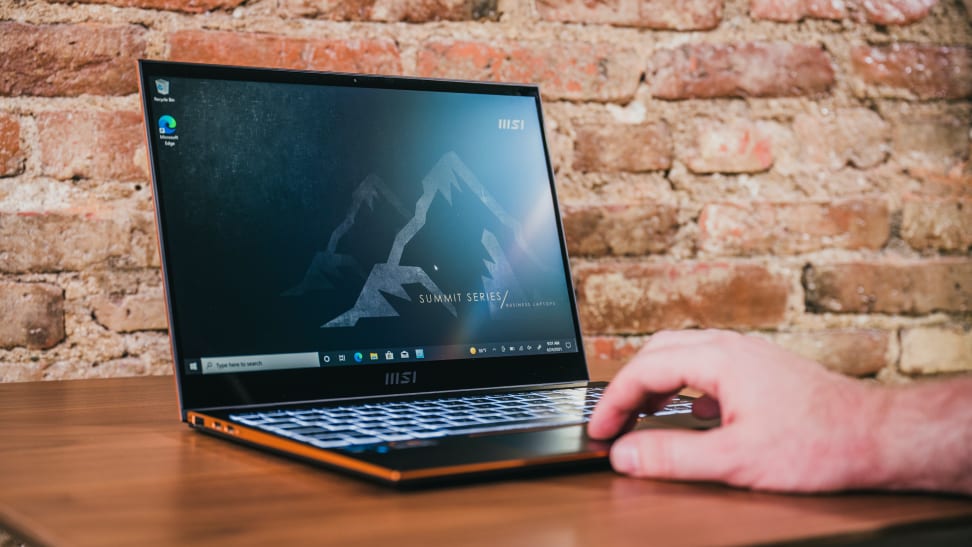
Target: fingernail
[(624, 457)]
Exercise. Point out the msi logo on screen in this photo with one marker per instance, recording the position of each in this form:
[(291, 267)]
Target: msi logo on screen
[(400, 378), (512, 125)]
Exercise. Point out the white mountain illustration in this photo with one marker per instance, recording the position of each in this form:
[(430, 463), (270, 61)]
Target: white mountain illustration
[(447, 173), (390, 277), (501, 277), (326, 265)]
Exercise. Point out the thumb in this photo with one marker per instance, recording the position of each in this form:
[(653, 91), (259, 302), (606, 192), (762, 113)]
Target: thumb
[(673, 454)]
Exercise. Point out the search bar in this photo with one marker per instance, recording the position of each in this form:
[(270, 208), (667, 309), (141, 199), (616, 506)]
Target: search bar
[(253, 363)]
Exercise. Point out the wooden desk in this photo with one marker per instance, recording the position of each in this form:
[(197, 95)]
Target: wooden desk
[(106, 462)]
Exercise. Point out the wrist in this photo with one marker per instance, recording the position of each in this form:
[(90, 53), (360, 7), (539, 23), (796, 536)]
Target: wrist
[(869, 455), (920, 437), (881, 466)]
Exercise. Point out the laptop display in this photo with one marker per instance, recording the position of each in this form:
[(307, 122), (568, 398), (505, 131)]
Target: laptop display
[(332, 235)]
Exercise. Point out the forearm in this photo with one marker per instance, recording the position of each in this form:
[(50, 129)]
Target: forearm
[(923, 437)]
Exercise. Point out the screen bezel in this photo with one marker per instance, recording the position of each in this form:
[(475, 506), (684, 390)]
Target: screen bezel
[(283, 386)]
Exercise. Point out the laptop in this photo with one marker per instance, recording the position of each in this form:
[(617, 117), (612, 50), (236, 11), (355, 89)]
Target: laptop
[(368, 273)]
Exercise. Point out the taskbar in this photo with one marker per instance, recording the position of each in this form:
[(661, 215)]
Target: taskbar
[(373, 356)]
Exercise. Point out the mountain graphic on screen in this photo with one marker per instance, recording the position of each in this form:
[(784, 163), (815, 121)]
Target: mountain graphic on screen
[(390, 279), (501, 276), (326, 265), (448, 174)]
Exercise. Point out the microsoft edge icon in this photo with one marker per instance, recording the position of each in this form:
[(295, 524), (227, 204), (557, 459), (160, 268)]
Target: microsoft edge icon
[(358, 357), (167, 125)]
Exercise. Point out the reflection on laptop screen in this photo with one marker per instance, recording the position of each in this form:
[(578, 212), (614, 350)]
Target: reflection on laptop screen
[(317, 226)]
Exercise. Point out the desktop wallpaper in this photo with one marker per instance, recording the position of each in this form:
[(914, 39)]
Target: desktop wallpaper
[(312, 218)]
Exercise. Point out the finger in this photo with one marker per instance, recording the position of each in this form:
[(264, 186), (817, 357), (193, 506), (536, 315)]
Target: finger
[(706, 408), (660, 371), (651, 404), (674, 454)]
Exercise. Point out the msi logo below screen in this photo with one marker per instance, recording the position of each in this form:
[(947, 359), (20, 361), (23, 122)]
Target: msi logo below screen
[(511, 125), (400, 378)]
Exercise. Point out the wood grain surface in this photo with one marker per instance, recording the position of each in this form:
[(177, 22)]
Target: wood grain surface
[(107, 462)]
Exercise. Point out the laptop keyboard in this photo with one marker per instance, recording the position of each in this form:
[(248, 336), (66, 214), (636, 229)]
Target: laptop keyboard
[(374, 423)]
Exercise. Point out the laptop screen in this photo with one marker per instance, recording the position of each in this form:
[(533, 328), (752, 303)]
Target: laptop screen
[(315, 226)]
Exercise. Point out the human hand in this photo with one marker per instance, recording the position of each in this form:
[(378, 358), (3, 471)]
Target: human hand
[(788, 424)]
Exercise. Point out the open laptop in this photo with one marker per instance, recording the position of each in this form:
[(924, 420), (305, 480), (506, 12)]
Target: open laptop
[(368, 273)]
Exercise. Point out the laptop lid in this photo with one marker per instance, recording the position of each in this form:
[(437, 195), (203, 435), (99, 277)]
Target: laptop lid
[(330, 236)]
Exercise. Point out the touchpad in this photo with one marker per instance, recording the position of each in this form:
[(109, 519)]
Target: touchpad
[(561, 440)]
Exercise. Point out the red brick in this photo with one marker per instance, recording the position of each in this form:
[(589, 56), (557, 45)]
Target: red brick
[(144, 310), (375, 56), (110, 146), (957, 183), (620, 229), (737, 146), (850, 136), (33, 315), (55, 242), (606, 355), (937, 143), (187, 6), (613, 147), (882, 12), (11, 154), (927, 71), (795, 227), (412, 11), (794, 10), (635, 298), (51, 60), (655, 14), (569, 70), (932, 350), (912, 287), (893, 12), (855, 352), (111, 368), (754, 69), (937, 224), (21, 372)]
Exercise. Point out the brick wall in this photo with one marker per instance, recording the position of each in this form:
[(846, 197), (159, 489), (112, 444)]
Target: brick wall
[(796, 168)]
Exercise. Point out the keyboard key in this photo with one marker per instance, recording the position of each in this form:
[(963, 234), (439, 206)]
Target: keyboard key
[(352, 441), (307, 430), (427, 434), (329, 444)]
